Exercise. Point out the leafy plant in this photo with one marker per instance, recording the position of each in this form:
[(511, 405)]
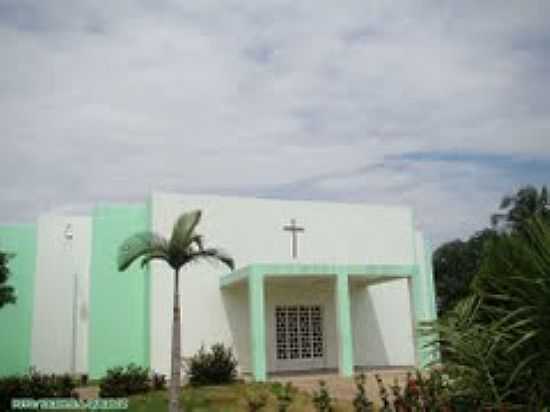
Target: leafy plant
[(322, 399), (256, 398), (384, 394), (361, 402), (185, 246), (214, 367), (519, 208), (497, 341), (285, 395), (158, 382), (35, 385), (120, 381)]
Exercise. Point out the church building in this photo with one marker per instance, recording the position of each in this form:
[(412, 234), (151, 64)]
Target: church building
[(324, 286)]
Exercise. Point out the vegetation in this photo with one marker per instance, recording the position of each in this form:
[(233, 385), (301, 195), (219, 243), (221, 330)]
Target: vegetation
[(34, 385), (158, 382), (322, 399), (423, 392), (496, 342), (285, 395), (457, 262), (229, 398), (7, 293), (214, 367), (183, 248), (121, 382), (517, 209), (256, 398), (361, 402), (455, 265)]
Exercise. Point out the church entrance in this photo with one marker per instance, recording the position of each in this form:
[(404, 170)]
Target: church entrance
[(299, 337)]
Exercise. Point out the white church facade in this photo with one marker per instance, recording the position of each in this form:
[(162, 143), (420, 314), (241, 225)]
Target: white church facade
[(317, 286)]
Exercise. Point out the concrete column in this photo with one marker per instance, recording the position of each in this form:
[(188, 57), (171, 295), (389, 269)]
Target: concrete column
[(343, 320), (422, 292), (256, 302)]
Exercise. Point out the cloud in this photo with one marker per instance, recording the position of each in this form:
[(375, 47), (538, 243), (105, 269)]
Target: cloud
[(280, 99)]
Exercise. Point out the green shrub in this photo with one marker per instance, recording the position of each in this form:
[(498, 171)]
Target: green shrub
[(217, 366), (496, 341), (35, 385), (285, 394), (361, 402), (322, 399), (121, 382), (158, 381)]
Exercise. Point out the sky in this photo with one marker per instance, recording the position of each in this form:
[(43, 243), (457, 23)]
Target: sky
[(440, 105)]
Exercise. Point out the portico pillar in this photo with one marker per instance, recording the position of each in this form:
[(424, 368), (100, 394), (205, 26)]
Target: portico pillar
[(421, 290), (256, 300), (343, 321)]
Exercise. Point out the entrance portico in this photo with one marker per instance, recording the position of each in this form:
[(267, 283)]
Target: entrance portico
[(257, 278)]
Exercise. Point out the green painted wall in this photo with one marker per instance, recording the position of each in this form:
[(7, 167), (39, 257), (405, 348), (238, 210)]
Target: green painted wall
[(16, 320), (119, 301)]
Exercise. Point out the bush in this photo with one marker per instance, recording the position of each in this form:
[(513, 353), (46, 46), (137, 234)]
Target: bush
[(158, 382), (35, 385), (497, 340), (284, 394), (361, 402), (121, 382), (322, 399), (218, 366)]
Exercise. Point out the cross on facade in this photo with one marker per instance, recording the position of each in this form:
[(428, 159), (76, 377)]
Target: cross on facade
[(294, 229)]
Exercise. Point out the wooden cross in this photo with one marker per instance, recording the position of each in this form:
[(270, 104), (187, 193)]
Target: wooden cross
[(294, 229)]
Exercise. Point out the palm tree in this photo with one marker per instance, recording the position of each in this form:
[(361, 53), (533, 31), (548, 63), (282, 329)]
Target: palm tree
[(518, 208), (184, 247)]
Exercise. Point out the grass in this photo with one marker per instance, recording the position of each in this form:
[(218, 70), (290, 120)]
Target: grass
[(226, 398)]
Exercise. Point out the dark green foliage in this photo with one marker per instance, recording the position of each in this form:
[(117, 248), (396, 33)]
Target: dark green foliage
[(184, 246), (285, 395), (122, 382), (322, 399), (214, 367), (7, 293), (455, 264), (35, 385), (158, 382), (361, 402), (497, 341), (519, 208)]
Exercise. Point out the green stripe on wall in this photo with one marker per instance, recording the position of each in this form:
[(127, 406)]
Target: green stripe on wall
[(16, 320), (119, 301)]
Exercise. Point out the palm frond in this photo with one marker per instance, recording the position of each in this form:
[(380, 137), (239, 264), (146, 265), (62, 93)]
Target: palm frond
[(140, 245), (183, 231), (157, 255), (213, 254), (198, 241)]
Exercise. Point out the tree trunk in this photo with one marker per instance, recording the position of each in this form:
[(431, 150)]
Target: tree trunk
[(175, 380)]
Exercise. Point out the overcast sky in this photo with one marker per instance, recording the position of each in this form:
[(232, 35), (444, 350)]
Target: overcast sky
[(443, 105)]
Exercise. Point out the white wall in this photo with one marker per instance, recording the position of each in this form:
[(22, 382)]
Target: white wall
[(59, 261), (382, 324), (235, 301), (251, 231)]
